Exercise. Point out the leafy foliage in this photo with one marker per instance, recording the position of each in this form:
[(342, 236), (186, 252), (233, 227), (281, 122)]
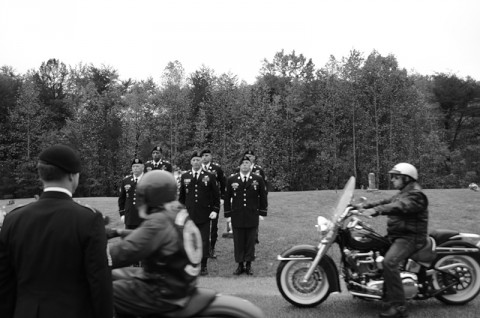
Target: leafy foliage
[(310, 128)]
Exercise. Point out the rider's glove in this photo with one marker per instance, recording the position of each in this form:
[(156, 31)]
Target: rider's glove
[(213, 215), (371, 212), (111, 233)]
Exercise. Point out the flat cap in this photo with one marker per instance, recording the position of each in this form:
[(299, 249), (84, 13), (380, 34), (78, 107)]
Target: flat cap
[(249, 152), (62, 157), (157, 148)]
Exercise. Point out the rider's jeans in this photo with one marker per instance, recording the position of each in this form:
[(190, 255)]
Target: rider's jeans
[(399, 251)]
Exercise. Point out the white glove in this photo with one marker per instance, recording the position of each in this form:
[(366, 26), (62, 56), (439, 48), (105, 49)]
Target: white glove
[(122, 218), (260, 218), (221, 201), (213, 215), (229, 219)]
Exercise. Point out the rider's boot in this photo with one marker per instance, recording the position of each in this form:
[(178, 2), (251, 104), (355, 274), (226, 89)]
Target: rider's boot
[(395, 311)]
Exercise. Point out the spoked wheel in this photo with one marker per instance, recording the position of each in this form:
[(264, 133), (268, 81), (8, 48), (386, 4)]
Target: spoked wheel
[(290, 275), (467, 270)]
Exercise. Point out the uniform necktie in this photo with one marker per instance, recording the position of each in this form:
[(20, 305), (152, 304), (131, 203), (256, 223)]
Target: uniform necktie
[(135, 180), (196, 176), (244, 179)]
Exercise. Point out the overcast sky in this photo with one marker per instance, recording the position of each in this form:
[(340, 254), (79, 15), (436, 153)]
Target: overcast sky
[(138, 38)]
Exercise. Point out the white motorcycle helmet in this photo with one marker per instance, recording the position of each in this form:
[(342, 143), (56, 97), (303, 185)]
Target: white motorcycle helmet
[(405, 169)]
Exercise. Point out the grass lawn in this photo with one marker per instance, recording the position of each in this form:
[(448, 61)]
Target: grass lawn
[(290, 221)]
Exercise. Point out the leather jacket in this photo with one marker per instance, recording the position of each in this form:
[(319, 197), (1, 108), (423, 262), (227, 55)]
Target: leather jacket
[(407, 213)]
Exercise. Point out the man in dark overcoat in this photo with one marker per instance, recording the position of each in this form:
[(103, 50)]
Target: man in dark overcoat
[(127, 200), (245, 202), (200, 194), (53, 260)]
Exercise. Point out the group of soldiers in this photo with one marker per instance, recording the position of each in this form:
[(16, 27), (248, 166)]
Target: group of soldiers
[(203, 189)]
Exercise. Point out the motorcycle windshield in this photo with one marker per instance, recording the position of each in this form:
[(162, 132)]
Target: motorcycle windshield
[(344, 199)]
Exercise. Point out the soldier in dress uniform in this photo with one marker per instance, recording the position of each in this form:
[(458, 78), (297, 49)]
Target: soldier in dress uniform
[(127, 201), (256, 169), (200, 194), (245, 201), (157, 163), (214, 168)]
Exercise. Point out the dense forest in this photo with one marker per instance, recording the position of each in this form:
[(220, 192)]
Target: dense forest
[(311, 128)]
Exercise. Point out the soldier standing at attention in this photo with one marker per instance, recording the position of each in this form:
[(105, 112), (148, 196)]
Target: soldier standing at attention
[(256, 169), (157, 163), (127, 201), (214, 168), (245, 202), (200, 194)]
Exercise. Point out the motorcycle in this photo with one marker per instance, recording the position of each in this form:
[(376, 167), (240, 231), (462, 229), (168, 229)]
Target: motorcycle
[(208, 303), (447, 267), (204, 302)]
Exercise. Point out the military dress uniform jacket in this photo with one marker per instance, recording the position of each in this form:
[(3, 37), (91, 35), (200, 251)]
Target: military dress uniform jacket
[(127, 202), (53, 261), (160, 165), (218, 172), (245, 202), (201, 196)]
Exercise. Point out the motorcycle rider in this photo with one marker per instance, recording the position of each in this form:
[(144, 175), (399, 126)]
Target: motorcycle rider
[(407, 228), (169, 245)]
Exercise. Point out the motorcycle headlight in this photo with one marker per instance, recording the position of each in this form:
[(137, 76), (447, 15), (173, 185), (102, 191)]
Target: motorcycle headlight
[(323, 225)]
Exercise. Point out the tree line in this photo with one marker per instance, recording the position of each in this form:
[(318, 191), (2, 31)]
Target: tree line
[(310, 128)]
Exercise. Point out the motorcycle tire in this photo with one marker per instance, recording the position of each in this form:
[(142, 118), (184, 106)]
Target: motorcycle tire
[(469, 273), (302, 294)]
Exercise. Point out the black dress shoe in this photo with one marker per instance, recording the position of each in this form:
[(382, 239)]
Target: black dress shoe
[(395, 312), (240, 270), (204, 271), (249, 270), (212, 253)]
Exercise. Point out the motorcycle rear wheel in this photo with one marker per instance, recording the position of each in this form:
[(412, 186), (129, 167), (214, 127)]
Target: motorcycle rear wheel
[(302, 294), (469, 273)]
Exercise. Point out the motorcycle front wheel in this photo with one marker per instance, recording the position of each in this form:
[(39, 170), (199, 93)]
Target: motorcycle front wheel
[(467, 270), (301, 293)]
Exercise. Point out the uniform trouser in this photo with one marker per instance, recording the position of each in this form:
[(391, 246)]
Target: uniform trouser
[(132, 297), (398, 252), (205, 233), (213, 232), (244, 244), (133, 227)]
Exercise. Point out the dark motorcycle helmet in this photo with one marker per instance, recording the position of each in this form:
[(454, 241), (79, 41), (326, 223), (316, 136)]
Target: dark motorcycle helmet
[(156, 188)]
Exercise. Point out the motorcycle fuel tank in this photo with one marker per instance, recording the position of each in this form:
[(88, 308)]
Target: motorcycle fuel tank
[(364, 240)]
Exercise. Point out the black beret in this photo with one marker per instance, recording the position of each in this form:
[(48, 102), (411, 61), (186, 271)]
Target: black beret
[(61, 156), (245, 158), (157, 148), (137, 161), (249, 152), (205, 151), (195, 154)]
